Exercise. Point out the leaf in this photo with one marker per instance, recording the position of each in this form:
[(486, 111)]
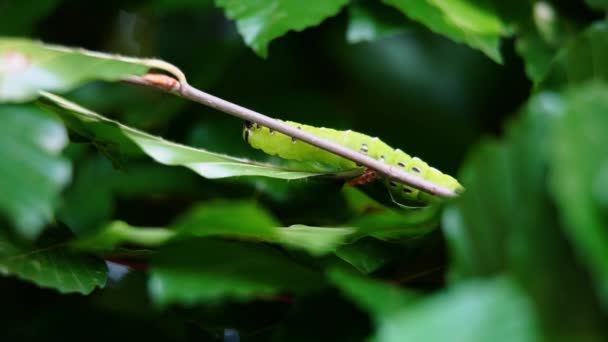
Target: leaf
[(316, 240), (460, 20), (27, 67), (582, 59), (370, 20), (52, 265), (199, 270), (391, 224), (130, 141), (536, 53), (368, 254), (506, 223), (262, 21), (33, 172), (119, 233), (89, 199), (541, 33), (490, 310), (244, 220), (377, 298), (579, 165)]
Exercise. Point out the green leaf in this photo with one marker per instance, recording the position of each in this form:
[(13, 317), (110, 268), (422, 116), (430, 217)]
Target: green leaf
[(33, 172), (541, 33), (89, 199), (52, 265), (130, 141), (491, 310), (261, 21), (460, 20), (391, 224), (536, 53), (505, 222), (229, 219), (582, 59), (371, 20), (27, 67), (378, 298), (316, 240), (248, 220), (244, 219), (198, 270), (579, 166), (118, 233), (368, 254)]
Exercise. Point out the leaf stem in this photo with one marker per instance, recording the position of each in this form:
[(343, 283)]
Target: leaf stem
[(185, 90)]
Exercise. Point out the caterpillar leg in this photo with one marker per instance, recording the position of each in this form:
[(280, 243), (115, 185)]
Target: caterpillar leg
[(368, 176)]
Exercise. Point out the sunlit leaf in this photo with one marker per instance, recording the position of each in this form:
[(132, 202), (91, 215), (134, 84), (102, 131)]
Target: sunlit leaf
[(244, 220), (463, 21), (27, 67), (261, 21), (316, 240), (131, 141), (33, 172)]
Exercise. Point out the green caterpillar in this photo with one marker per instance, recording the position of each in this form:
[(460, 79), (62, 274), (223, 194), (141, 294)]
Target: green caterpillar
[(275, 143)]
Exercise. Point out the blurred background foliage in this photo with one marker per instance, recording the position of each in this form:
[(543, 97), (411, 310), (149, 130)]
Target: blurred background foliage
[(501, 100)]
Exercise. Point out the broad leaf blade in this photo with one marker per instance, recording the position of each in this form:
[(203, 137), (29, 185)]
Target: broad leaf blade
[(316, 240), (132, 141), (52, 265), (582, 59), (579, 177), (505, 222), (243, 220), (201, 270), (492, 310), (462, 21), (261, 21), (228, 218), (33, 172), (27, 67)]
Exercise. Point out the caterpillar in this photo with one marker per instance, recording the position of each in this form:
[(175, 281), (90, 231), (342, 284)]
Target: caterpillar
[(284, 146)]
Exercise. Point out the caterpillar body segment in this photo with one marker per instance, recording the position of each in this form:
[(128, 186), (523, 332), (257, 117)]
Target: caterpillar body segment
[(275, 143)]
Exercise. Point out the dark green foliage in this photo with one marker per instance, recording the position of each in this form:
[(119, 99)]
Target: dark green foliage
[(221, 242)]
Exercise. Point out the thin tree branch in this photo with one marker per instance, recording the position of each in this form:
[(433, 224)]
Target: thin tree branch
[(169, 84)]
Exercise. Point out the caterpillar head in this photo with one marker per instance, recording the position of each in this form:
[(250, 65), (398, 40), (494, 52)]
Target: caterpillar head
[(247, 126)]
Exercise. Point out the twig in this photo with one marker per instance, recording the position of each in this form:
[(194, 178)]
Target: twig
[(183, 89)]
